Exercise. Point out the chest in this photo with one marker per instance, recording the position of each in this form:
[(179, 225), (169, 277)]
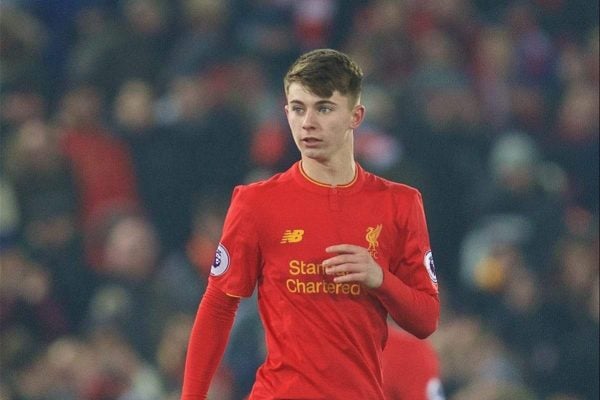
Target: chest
[(300, 230)]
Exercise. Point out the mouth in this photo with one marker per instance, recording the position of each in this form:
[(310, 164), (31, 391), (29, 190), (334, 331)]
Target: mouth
[(310, 140)]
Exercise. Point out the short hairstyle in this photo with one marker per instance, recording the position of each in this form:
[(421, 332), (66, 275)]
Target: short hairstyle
[(323, 71)]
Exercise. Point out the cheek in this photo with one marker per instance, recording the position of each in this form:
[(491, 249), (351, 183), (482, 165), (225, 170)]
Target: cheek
[(295, 124), (294, 128), (339, 130)]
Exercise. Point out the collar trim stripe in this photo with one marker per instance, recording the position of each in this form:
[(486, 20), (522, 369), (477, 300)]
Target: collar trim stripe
[(308, 178)]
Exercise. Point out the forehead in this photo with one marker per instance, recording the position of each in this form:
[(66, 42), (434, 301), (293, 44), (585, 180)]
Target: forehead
[(298, 93)]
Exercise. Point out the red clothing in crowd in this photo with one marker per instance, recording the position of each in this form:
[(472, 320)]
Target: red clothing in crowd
[(103, 170), (411, 368), (104, 175)]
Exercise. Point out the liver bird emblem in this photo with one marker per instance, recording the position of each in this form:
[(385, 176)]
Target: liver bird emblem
[(372, 237)]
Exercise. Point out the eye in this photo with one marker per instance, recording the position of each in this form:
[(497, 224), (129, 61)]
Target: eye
[(325, 109), (297, 109)]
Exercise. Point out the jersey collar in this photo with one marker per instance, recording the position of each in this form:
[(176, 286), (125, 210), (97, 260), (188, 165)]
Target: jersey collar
[(312, 185)]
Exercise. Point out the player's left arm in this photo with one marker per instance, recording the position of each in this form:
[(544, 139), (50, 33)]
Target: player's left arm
[(415, 309), (408, 289)]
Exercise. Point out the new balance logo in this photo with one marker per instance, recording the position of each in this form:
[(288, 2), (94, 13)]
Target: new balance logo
[(292, 236)]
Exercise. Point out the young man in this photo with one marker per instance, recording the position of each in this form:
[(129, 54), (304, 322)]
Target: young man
[(331, 248)]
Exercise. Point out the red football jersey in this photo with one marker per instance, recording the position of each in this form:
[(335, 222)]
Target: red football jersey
[(324, 339)]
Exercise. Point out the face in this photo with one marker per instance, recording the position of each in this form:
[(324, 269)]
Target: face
[(322, 128)]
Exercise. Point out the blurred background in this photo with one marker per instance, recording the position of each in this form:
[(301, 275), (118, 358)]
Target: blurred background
[(125, 124)]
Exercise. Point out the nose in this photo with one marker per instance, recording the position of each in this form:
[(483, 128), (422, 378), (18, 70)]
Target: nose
[(309, 121)]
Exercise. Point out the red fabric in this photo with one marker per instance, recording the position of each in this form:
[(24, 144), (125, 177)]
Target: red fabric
[(268, 144), (411, 367), (105, 179), (416, 312), (103, 170), (324, 340), (208, 341)]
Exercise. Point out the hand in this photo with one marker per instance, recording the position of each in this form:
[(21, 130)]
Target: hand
[(353, 264)]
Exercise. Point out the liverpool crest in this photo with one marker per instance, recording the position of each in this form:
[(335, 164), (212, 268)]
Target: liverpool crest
[(372, 237)]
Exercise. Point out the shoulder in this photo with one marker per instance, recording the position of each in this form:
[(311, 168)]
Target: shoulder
[(400, 191), (258, 192)]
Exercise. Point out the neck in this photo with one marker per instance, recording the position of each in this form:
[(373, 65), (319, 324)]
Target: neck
[(329, 174)]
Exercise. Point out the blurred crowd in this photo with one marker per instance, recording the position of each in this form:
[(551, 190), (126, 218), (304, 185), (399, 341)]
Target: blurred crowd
[(125, 124)]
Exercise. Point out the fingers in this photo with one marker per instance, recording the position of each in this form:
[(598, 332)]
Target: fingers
[(351, 277), (349, 258), (343, 268), (345, 249), (347, 253), (341, 259), (369, 274), (353, 264), (345, 264)]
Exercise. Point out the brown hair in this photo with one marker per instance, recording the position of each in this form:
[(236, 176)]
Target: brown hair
[(323, 71)]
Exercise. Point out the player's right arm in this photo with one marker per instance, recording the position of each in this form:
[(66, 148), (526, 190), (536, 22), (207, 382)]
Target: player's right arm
[(233, 275), (208, 340)]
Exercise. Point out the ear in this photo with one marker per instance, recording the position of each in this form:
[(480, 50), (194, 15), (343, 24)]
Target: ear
[(287, 110), (358, 115)]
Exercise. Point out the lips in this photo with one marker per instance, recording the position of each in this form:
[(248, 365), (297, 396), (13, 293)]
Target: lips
[(310, 140)]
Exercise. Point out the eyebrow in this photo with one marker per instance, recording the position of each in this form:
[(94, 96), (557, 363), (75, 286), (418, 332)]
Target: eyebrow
[(318, 103)]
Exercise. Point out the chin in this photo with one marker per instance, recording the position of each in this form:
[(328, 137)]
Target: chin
[(314, 155)]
